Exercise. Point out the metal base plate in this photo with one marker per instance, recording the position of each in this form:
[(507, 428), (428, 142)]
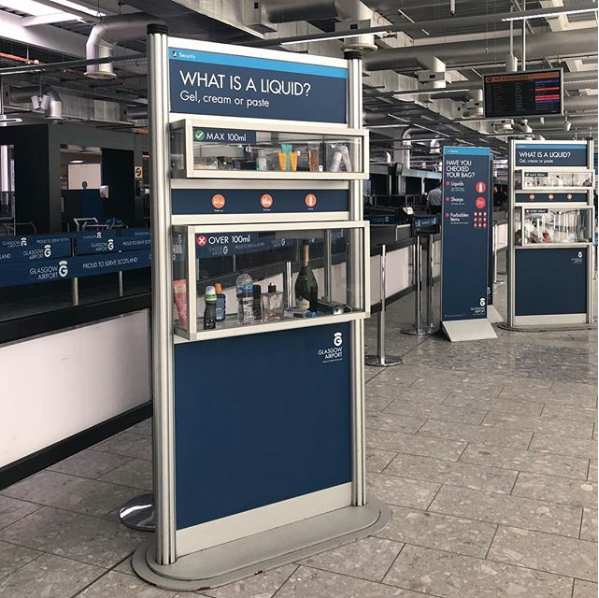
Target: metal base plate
[(249, 556), (548, 327), (493, 315), (384, 362), (426, 331), (468, 330), (138, 513)]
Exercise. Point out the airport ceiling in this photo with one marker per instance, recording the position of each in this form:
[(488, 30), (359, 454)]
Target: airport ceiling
[(34, 34)]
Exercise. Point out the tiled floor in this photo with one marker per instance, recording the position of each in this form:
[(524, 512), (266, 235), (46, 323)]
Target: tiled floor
[(486, 452)]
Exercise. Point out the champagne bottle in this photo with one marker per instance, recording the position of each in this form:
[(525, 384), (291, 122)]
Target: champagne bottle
[(306, 287)]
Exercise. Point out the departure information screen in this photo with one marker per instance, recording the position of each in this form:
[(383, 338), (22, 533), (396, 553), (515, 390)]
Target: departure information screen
[(510, 95)]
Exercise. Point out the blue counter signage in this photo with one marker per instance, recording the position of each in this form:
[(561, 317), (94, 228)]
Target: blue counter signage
[(135, 232), (17, 273), (33, 251), (563, 154), (96, 243), (232, 85), (465, 232), (39, 241)]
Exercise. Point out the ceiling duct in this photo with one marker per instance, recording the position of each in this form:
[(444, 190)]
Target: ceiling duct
[(109, 31), (42, 98), (547, 45)]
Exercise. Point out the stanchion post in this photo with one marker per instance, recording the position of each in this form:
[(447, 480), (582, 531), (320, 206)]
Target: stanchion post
[(75, 292), (381, 359), (121, 283), (418, 284), (429, 281), (495, 235)]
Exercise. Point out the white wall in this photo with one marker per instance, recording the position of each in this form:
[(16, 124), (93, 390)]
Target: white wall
[(57, 385)]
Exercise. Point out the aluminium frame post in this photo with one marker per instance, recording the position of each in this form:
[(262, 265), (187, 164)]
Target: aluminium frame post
[(162, 317), (356, 286)]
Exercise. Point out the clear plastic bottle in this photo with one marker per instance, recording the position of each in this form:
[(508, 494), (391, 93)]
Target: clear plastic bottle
[(245, 299)]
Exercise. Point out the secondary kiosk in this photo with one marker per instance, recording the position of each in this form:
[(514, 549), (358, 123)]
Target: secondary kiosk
[(551, 232), (259, 452)]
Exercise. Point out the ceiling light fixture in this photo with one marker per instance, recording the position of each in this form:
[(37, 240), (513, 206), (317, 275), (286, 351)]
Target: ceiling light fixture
[(576, 11), (326, 38)]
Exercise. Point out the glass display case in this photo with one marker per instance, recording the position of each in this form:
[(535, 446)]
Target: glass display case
[(553, 226), (198, 150), (236, 279), (537, 179)]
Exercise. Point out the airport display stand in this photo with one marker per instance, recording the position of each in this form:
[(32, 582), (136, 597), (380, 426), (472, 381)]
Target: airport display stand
[(258, 159), (551, 232)]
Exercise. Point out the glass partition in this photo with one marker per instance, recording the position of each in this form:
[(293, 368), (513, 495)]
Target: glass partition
[(550, 225), (555, 179)]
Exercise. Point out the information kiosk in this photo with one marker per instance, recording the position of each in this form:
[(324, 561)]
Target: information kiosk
[(260, 258), (552, 224)]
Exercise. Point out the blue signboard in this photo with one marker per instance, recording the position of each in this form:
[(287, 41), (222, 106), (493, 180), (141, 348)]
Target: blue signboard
[(39, 241), (134, 232), (231, 85), (559, 154), (100, 242), (551, 197), (19, 272), (258, 201), (60, 248), (222, 244), (466, 219)]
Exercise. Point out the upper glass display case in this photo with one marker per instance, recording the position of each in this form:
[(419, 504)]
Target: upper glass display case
[(199, 150), (535, 226), (228, 280), (556, 179)]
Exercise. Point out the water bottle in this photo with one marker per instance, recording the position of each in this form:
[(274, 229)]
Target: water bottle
[(245, 299)]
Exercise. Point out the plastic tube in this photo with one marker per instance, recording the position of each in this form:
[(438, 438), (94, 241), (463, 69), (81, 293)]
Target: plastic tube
[(180, 293)]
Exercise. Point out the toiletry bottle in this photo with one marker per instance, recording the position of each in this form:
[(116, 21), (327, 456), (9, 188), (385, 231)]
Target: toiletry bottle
[(261, 162), (272, 304), (210, 310), (245, 299), (257, 302), (221, 303)]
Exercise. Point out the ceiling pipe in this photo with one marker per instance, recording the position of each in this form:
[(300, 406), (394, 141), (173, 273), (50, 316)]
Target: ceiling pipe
[(289, 11), (106, 33), (46, 97)]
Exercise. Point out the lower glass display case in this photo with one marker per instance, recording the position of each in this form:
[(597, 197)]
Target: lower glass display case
[(243, 279), (553, 225)]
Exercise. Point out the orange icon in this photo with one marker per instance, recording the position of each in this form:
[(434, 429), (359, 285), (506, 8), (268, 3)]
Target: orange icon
[(266, 201), (218, 201), (311, 200)]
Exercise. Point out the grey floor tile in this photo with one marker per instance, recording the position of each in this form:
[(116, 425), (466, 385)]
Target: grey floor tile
[(72, 493), (415, 444), (313, 583), (144, 428), (443, 532), (125, 567), (436, 411), (13, 557), (541, 425), (584, 589), (89, 464), (397, 376), (377, 460), (136, 473), (508, 510), (555, 410), (575, 447), (406, 393), (374, 403), (565, 491), (369, 558), (531, 461), (87, 539), (478, 434), (545, 552), (477, 390), (402, 491), (263, 585), (575, 389), (455, 473), (588, 529), (127, 444), (393, 422), (12, 510), (49, 576), (449, 575), (118, 585), (500, 403), (593, 471)]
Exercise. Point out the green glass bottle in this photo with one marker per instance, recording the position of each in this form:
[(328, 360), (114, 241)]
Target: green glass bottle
[(306, 287)]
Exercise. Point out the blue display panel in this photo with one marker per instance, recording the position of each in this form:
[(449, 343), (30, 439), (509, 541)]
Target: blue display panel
[(536, 197), (466, 219), (231, 85), (59, 247), (562, 154), (294, 386), (258, 201), (551, 281)]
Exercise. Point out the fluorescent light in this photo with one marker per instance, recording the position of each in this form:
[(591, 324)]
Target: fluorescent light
[(37, 9), (74, 5), (576, 11)]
